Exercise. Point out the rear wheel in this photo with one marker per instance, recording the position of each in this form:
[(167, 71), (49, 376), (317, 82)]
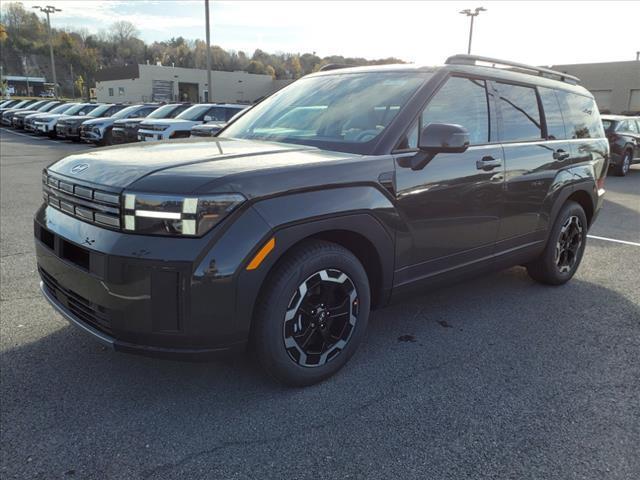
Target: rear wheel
[(562, 255), (623, 167), (312, 314)]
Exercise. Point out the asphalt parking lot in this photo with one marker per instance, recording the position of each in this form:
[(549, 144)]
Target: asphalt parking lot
[(497, 377)]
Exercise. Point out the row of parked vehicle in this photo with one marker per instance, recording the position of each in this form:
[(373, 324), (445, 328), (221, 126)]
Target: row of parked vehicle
[(108, 123)]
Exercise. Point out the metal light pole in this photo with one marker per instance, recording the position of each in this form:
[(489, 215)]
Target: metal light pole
[(471, 14), (48, 10), (209, 85)]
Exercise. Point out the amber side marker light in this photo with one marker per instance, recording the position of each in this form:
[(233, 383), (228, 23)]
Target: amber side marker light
[(262, 254)]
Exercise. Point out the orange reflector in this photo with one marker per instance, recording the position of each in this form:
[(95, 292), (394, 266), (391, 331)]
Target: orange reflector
[(262, 254)]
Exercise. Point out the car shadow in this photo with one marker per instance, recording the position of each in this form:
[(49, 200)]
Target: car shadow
[(450, 360)]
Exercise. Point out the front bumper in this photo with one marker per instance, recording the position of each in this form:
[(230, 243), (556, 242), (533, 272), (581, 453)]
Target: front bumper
[(159, 296), (68, 131), (124, 135), (89, 135)]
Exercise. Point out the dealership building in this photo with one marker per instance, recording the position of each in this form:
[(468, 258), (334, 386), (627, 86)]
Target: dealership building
[(615, 85), (157, 83)]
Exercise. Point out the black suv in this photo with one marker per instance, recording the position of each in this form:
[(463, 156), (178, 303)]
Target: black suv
[(284, 237), (623, 134)]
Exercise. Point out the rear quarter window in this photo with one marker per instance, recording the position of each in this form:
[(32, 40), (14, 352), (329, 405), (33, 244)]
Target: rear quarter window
[(582, 119)]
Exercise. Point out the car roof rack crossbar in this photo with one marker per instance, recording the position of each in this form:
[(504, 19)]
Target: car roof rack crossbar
[(462, 59)]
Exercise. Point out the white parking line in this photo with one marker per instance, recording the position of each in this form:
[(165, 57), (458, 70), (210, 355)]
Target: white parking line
[(625, 242)]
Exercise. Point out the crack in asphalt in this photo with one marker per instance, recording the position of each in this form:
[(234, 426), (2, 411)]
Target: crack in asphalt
[(388, 392)]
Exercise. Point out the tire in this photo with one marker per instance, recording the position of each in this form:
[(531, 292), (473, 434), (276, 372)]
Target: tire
[(556, 265), (313, 273), (622, 168), (107, 139)]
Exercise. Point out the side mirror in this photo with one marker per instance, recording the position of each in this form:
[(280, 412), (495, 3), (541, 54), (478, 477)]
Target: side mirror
[(438, 138), (81, 114), (207, 118)]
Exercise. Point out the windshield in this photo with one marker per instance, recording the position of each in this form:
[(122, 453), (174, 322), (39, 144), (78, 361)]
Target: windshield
[(162, 112), (63, 107), (20, 104), (99, 110), (340, 112), (125, 111), (77, 108), (194, 113), (48, 106)]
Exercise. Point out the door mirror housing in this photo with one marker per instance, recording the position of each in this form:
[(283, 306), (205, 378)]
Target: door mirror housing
[(207, 118), (443, 138), (437, 138)]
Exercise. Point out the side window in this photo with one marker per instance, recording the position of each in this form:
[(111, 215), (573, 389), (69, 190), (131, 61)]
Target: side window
[(520, 113), (581, 115), (143, 112), (631, 126), (552, 114), (462, 101)]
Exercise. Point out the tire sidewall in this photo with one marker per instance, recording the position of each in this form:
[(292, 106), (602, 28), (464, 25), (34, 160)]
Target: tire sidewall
[(279, 295)]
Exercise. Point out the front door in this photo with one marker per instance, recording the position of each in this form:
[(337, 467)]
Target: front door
[(452, 207)]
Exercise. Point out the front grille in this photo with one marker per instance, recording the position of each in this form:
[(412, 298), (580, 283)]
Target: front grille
[(83, 130), (87, 204), (94, 315)]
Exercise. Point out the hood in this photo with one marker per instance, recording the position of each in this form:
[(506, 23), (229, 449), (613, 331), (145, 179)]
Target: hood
[(171, 121), (210, 126), (190, 163), (24, 113), (124, 121), (75, 118), (99, 120)]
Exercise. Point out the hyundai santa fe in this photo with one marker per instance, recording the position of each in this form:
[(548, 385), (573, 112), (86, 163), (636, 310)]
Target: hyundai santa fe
[(282, 234)]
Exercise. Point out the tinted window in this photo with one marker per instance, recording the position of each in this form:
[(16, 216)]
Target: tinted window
[(552, 114), (581, 115), (520, 113), (462, 101), (608, 125), (631, 126)]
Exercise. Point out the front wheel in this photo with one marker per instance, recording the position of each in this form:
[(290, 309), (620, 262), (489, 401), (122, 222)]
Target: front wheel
[(312, 313), (562, 255)]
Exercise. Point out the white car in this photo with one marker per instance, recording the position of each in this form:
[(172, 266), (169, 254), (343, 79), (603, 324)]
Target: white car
[(180, 127)]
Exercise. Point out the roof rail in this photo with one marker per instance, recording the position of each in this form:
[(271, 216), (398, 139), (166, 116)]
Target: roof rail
[(462, 59), (334, 66)]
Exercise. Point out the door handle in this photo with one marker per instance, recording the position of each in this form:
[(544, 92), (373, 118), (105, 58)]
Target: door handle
[(560, 154), (488, 163)]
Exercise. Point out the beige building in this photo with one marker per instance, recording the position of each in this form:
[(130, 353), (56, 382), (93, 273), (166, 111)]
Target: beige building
[(156, 83), (615, 85)]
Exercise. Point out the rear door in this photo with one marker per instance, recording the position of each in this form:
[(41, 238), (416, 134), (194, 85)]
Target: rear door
[(532, 133)]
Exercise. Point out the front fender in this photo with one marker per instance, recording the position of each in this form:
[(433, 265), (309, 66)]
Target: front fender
[(361, 210)]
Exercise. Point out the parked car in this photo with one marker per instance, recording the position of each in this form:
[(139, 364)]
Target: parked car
[(7, 115), (288, 237), (99, 130), (126, 130), (211, 129), (47, 94), (180, 127), (29, 120), (7, 104), (69, 126), (623, 134), (15, 104), (18, 118), (47, 124)]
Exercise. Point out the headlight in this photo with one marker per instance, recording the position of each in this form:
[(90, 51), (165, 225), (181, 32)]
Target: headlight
[(176, 215)]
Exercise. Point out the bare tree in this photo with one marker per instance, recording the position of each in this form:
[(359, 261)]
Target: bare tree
[(121, 31)]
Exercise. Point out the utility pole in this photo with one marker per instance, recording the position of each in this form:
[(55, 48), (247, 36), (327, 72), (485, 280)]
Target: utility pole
[(471, 14), (49, 10), (209, 84), (73, 83)]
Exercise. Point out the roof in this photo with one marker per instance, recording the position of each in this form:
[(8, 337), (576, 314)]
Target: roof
[(485, 71), (18, 78), (618, 117)]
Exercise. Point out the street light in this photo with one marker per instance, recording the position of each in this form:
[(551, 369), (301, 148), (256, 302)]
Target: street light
[(209, 85), (49, 10), (471, 14)]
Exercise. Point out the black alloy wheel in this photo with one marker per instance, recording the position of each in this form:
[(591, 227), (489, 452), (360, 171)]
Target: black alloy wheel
[(568, 244), (320, 318)]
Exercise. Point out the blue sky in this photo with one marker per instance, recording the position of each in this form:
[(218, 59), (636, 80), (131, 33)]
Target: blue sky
[(425, 32)]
